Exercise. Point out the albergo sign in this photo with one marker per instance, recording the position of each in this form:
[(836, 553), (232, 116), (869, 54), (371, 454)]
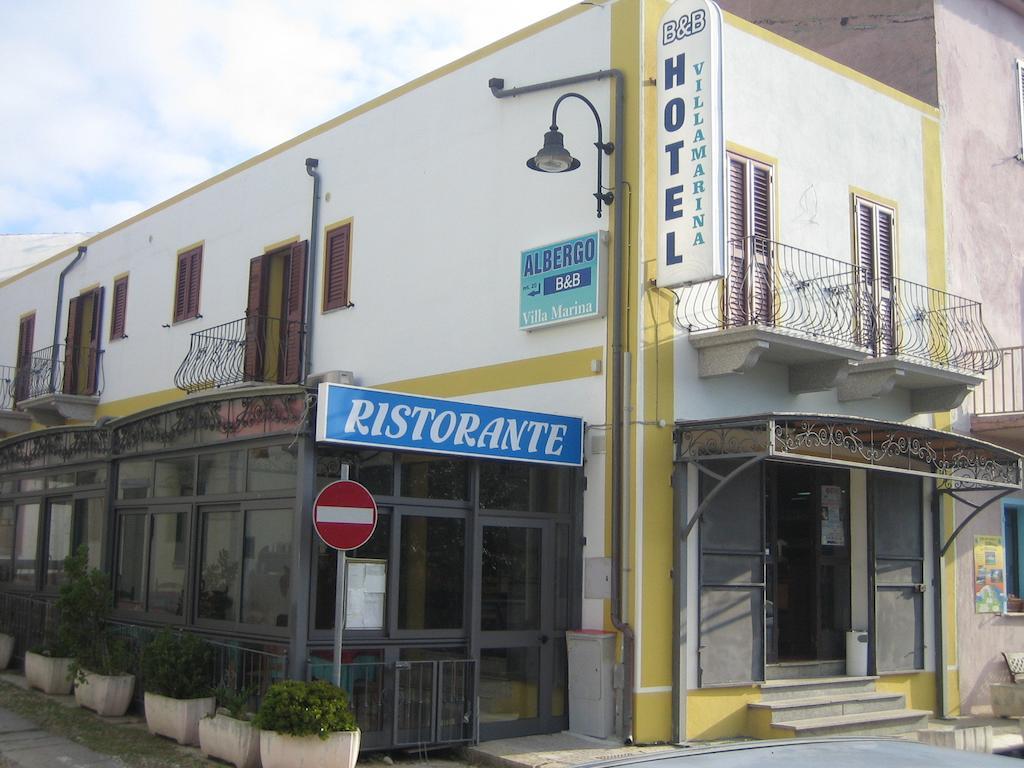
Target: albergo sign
[(691, 147)]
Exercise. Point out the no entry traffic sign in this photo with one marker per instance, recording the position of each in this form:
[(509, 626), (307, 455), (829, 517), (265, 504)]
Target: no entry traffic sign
[(344, 515)]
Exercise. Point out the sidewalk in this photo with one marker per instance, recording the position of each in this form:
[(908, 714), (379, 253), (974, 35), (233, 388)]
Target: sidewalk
[(25, 745)]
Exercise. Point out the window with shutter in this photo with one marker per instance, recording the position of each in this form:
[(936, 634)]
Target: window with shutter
[(186, 284), (336, 268), (875, 245), (119, 311), (749, 288), (26, 338)]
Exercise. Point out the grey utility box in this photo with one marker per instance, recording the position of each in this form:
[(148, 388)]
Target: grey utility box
[(591, 696)]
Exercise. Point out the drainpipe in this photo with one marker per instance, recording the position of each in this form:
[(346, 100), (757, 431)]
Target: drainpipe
[(618, 417), (56, 317), (311, 168)]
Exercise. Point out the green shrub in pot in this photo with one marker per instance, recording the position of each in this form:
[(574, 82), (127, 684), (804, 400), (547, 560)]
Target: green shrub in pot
[(299, 708), (178, 665)]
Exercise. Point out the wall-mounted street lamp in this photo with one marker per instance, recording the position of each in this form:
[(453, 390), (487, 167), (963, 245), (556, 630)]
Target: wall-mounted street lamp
[(553, 157)]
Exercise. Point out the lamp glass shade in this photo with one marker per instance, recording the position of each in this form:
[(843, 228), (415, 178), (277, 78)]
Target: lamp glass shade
[(553, 157)]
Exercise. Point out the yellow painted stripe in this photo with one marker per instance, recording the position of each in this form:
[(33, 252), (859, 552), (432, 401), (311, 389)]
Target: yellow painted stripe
[(390, 96), (132, 405), (562, 366), (834, 66)]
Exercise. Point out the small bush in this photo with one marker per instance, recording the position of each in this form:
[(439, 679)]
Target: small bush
[(235, 703), (305, 709), (177, 664)]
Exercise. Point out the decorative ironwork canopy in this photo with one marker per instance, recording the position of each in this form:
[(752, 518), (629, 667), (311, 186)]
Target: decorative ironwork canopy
[(957, 461)]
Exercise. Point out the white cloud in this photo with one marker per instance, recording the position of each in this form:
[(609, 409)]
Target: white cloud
[(113, 105)]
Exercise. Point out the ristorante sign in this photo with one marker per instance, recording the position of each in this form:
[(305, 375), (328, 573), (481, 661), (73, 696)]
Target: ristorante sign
[(381, 419), (691, 147)]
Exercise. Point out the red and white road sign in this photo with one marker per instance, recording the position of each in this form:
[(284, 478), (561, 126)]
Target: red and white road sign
[(344, 515)]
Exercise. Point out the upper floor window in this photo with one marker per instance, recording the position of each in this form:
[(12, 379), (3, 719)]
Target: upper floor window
[(875, 237), (186, 285), (336, 267), (119, 310), (749, 224)]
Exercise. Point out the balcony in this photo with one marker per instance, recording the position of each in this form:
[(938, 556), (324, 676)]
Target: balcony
[(61, 383), (997, 412), (256, 349), (833, 328), (11, 421)]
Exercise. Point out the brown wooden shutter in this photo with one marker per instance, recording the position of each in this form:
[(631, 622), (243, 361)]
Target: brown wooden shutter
[(336, 267), (181, 288), (119, 310), (760, 251), (26, 340), (866, 264), (295, 314), (194, 279), (187, 282), (71, 340), (885, 297), (254, 321), (736, 284), (91, 385)]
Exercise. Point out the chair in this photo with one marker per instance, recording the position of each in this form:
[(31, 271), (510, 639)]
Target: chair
[(1015, 665)]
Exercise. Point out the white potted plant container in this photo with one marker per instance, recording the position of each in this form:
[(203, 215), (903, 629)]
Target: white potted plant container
[(49, 673), (6, 649), (316, 726), (176, 671), (232, 739), (106, 695)]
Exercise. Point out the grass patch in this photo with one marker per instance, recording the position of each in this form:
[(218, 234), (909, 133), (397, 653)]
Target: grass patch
[(130, 742)]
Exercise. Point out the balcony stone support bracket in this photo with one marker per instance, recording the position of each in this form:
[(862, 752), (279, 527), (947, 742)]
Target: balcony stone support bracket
[(936, 399), (865, 382), (818, 376), (734, 357), (56, 408), (14, 422)]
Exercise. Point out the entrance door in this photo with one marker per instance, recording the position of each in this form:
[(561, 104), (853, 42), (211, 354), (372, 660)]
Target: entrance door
[(522, 647), (808, 563), (82, 344), (275, 316)]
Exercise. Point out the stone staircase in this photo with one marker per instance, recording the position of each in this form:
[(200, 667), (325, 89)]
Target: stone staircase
[(830, 706)]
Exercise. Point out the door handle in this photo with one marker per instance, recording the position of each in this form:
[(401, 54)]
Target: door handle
[(544, 639)]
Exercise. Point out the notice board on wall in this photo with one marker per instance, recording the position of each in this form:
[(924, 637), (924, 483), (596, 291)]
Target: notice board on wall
[(365, 582), (989, 574)]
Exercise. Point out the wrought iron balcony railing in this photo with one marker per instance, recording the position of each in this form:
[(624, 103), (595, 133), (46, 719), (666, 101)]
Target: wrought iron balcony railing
[(253, 348), (7, 374), (778, 286), (1002, 391), (60, 369), (815, 297)]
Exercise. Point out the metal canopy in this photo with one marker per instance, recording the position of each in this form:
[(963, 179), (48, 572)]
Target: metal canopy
[(957, 461)]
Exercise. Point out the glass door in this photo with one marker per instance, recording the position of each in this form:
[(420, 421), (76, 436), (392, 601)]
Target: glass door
[(522, 655)]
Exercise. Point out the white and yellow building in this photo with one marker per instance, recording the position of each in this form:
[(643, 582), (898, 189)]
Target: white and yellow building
[(757, 468)]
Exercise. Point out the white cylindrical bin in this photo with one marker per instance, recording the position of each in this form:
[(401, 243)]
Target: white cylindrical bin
[(591, 655), (857, 652)]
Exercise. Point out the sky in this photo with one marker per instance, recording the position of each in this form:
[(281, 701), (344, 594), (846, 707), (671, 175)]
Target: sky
[(108, 107)]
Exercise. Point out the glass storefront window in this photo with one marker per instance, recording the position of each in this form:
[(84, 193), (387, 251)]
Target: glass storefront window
[(88, 528), (432, 573), (30, 484), (131, 546), (66, 480), (266, 568), (221, 472), (220, 577), (6, 541), (58, 543), (26, 537), (175, 477), (434, 477), (168, 559), (519, 487), (7, 486), (510, 575), (512, 678), (271, 469), (377, 548), (373, 469), (91, 476), (134, 479)]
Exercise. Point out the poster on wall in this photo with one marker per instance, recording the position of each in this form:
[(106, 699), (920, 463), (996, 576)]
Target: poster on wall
[(989, 575), (833, 528), (364, 587)]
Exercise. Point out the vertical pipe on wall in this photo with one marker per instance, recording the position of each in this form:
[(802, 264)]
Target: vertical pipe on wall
[(302, 555), (941, 691), (312, 164), (56, 318)]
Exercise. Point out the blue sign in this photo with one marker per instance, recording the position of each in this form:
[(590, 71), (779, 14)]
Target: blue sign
[(380, 419), (562, 282)]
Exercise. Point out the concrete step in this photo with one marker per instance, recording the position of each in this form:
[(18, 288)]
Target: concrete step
[(778, 690), (792, 670), (887, 723), (787, 710)]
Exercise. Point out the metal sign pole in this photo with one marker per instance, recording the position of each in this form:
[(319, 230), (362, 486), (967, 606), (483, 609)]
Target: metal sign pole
[(339, 616), (339, 602)]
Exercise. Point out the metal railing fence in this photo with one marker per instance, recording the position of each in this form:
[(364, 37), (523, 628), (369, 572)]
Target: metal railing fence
[(1002, 391), (61, 368), (253, 348), (31, 621)]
